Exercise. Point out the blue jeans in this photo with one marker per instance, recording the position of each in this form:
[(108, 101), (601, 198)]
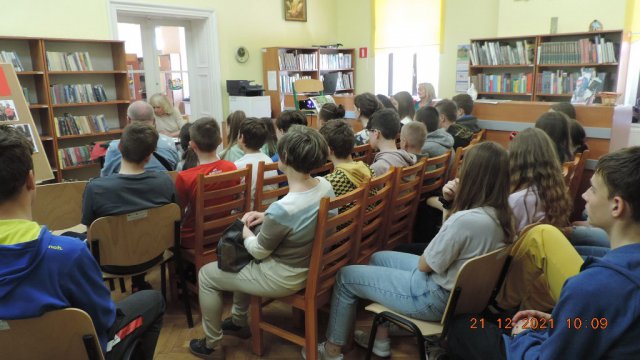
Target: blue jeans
[(589, 236), (391, 279)]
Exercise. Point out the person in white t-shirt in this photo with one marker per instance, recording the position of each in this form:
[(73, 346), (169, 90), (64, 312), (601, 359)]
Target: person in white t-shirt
[(252, 135)]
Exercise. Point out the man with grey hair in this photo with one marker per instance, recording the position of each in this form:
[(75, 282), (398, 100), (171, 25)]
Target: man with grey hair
[(165, 158)]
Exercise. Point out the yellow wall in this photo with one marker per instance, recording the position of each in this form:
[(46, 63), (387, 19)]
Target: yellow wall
[(533, 16), (354, 24), (252, 23)]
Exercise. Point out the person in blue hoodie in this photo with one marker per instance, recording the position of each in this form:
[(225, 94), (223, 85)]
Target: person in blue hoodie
[(597, 315), (40, 272)]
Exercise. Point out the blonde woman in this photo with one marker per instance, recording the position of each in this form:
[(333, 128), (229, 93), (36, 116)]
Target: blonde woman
[(168, 119), (426, 93)]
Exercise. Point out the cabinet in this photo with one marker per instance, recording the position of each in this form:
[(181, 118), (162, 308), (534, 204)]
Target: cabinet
[(282, 66), (69, 83), (253, 106), (546, 67)]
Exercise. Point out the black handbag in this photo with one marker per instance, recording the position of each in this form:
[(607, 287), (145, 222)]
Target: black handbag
[(232, 255)]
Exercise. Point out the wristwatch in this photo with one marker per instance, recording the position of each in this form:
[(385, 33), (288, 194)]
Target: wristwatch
[(446, 204)]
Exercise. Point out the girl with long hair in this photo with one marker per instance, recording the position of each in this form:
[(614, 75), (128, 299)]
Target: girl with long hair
[(406, 111), (538, 190), (366, 104), (480, 221), (556, 125), (232, 152)]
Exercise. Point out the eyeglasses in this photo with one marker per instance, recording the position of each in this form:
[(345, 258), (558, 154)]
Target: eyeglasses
[(372, 130)]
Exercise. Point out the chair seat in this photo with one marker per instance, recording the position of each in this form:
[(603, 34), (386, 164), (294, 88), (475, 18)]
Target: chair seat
[(166, 256), (427, 328)]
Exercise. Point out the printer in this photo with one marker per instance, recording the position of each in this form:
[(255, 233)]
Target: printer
[(244, 88)]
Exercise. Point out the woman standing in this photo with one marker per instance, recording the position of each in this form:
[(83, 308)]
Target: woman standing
[(426, 93)]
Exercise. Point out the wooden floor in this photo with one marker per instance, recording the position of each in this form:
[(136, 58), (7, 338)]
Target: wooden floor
[(175, 335)]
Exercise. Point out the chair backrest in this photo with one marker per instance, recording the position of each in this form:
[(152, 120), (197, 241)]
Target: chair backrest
[(275, 190), (322, 170), (576, 179), (377, 206), (479, 137), (457, 161), (306, 86), (404, 205), (58, 334), (174, 174), (435, 173), (568, 168), (59, 206), (475, 284), (363, 153), (332, 248), (220, 200), (135, 238)]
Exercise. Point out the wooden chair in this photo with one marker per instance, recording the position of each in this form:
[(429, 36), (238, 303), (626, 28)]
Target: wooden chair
[(363, 153), (568, 168), (58, 334), (220, 200), (59, 206), (376, 212), (132, 244), (173, 175), (302, 86), (331, 251), (476, 285), (457, 161), (264, 197), (435, 173), (479, 137), (576, 179), (403, 205), (323, 170)]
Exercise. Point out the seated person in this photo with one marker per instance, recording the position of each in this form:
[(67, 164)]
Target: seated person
[(464, 102), (165, 157), (233, 152), (412, 137), (578, 137), (438, 140), (286, 119), (419, 286), (253, 134), (347, 174), (205, 139), (383, 127), (282, 246), (188, 159), (595, 316), (556, 125), (330, 111), (168, 118), (366, 105), (134, 188), (448, 112), (41, 272)]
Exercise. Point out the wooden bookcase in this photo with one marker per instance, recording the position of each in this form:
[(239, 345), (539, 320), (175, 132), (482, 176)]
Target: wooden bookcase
[(282, 65), (552, 64), (109, 70)]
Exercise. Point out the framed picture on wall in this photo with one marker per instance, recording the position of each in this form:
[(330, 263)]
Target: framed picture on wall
[(295, 10)]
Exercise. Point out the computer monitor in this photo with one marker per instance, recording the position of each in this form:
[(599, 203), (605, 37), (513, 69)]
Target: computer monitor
[(330, 82)]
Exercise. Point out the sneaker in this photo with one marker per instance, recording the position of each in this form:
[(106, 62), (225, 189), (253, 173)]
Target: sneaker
[(322, 354), (198, 347), (231, 329), (381, 348)]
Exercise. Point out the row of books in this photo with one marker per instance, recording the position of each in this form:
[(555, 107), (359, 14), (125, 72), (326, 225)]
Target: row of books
[(79, 125), (588, 85), (520, 83), (557, 82), (344, 81), (286, 81), (335, 61), (69, 61), (494, 53), (582, 51), (77, 93), (74, 156), (291, 61), (12, 58)]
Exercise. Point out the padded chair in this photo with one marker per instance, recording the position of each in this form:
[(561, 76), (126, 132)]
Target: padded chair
[(58, 334), (331, 251), (457, 161), (269, 195), (476, 285), (306, 86), (576, 179), (374, 220), (404, 205), (66, 198), (132, 244), (363, 153)]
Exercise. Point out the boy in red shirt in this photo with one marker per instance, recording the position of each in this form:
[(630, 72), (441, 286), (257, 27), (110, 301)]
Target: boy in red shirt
[(205, 138)]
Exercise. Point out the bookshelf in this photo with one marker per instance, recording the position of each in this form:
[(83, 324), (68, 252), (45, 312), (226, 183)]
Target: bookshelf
[(283, 65), (64, 64), (545, 67)]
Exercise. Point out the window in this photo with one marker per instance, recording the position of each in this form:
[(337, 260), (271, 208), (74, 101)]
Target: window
[(407, 44)]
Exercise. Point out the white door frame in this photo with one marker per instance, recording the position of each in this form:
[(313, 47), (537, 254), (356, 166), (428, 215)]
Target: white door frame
[(202, 50)]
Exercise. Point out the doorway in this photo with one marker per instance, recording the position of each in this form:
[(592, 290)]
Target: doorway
[(171, 50)]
